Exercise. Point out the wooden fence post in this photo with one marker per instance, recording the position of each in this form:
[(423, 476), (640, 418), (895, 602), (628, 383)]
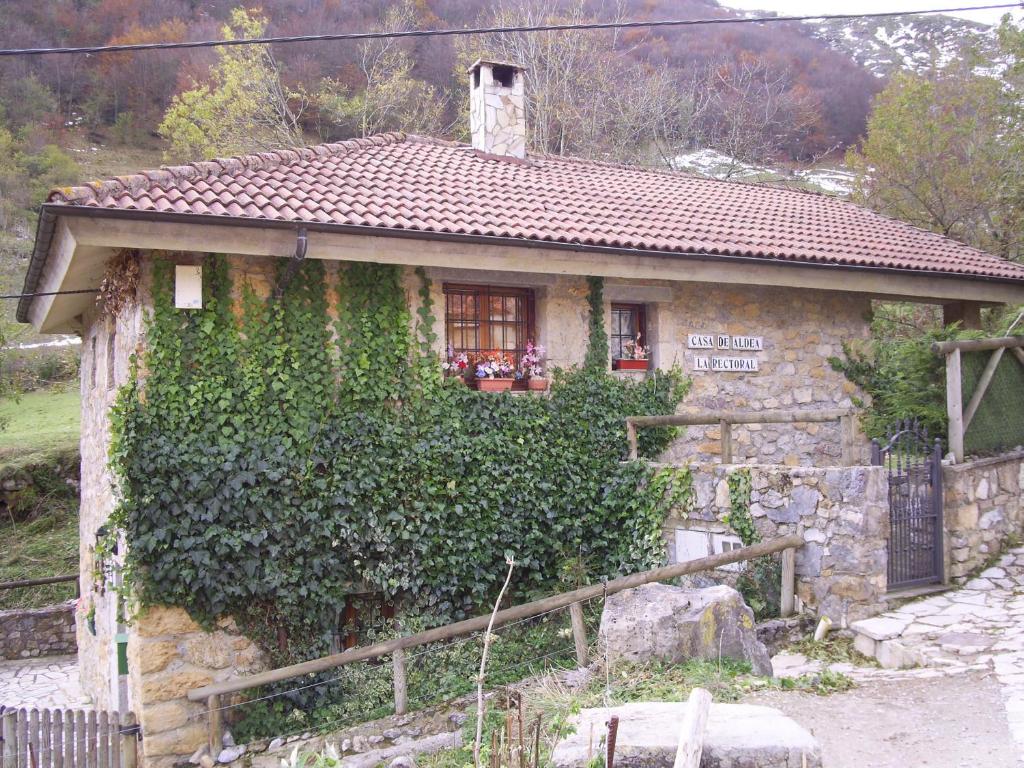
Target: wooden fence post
[(725, 428), (955, 405), (695, 722), (846, 441), (10, 748), (401, 691), (216, 733), (788, 602), (129, 740), (631, 440), (579, 633)]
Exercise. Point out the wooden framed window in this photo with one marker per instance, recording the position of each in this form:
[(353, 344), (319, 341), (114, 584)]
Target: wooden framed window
[(629, 324), (479, 318)]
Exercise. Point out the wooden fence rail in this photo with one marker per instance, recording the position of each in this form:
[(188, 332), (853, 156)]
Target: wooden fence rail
[(212, 693), (726, 420), (66, 738), (27, 583)]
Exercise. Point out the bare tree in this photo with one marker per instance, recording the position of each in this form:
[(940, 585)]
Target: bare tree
[(752, 111), (393, 100)]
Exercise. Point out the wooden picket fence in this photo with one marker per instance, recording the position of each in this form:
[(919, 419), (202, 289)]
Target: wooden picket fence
[(67, 738)]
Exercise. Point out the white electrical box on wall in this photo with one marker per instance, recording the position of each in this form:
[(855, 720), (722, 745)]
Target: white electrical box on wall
[(188, 287)]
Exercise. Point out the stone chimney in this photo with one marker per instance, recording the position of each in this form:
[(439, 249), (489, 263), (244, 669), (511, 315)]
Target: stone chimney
[(497, 108)]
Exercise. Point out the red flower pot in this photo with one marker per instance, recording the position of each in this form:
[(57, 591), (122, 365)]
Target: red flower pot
[(537, 384), (631, 365), (494, 385)]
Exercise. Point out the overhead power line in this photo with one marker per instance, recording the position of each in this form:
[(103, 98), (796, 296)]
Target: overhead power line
[(489, 31)]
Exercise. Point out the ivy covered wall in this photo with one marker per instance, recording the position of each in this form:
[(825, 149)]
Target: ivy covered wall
[(284, 451)]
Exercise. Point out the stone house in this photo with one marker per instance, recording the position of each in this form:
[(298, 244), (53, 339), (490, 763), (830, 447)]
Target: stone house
[(750, 289)]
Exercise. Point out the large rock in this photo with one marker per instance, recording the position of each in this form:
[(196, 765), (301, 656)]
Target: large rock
[(658, 621), (738, 736)]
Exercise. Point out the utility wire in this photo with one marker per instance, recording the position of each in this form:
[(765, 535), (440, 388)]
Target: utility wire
[(489, 31)]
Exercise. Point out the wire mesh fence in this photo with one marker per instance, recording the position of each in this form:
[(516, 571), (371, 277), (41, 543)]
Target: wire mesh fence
[(998, 423)]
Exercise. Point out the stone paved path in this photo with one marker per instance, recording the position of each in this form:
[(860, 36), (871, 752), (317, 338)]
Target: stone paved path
[(48, 682), (980, 626)]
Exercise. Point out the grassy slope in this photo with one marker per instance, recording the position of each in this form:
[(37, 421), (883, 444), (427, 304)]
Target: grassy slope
[(41, 423), (40, 538)]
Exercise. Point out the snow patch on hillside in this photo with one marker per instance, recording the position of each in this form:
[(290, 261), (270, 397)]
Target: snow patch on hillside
[(716, 165)]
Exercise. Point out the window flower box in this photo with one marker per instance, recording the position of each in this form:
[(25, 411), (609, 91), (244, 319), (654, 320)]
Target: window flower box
[(493, 385), (536, 384), (630, 365)]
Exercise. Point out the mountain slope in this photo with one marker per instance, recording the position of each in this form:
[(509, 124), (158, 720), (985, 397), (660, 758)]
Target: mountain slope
[(914, 43)]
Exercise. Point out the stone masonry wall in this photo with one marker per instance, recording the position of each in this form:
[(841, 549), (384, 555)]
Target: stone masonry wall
[(841, 512), (32, 632), (168, 655), (982, 506), (801, 329), (107, 346)]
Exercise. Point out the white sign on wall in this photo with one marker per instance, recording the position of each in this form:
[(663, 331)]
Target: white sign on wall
[(747, 343), (725, 341), (731, 364), (188, 287)]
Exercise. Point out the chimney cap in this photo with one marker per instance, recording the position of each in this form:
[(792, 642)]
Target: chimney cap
[(493, 63)]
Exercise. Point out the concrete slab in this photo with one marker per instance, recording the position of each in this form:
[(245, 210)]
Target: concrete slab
[(738, 735)]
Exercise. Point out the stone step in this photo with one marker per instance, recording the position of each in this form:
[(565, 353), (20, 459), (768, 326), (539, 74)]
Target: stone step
[(738, 736)]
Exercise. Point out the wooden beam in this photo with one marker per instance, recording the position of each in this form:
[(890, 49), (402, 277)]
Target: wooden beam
[(738, 417), (691, 735), (982, 388), (215, 237), (978, 345), (479, 623), (955, 404)]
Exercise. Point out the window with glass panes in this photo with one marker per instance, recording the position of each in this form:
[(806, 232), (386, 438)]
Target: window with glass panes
[(479, 318), (628, 322)]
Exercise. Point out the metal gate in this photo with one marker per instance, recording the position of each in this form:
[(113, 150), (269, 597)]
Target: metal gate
[(914, 465)]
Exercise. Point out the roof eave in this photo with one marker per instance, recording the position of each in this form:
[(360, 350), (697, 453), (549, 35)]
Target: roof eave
[(50, 212)]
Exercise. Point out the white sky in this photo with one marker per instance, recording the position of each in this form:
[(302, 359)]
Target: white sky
[(806, 7)]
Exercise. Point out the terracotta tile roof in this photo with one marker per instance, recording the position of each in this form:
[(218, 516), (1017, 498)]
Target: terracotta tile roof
[(404, 182)]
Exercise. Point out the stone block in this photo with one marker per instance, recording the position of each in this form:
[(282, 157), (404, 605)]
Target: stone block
[(737, 736), (673, 624), (892, 655), (165, 716), (173, 685), (210, 650), (154, 656), (880, 627), (158, 620), (808, 559), (966, 516), (180, 741)]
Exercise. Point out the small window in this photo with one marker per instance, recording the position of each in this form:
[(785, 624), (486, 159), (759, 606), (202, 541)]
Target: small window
[(629, 333), (111, 357), (481, 318)]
